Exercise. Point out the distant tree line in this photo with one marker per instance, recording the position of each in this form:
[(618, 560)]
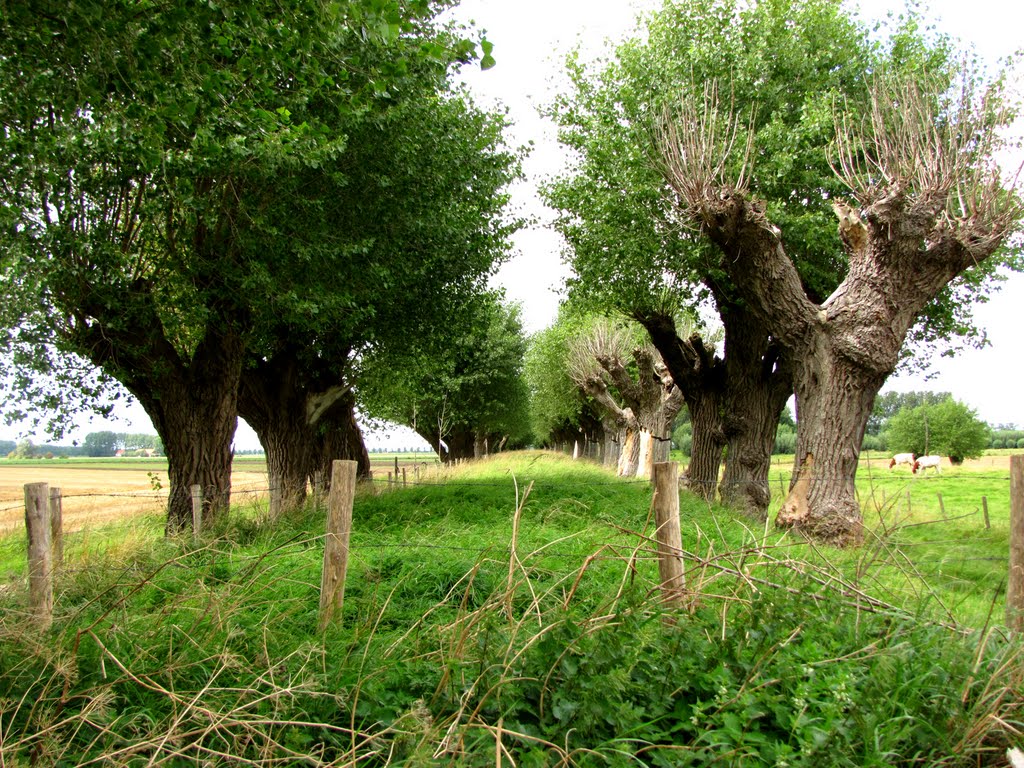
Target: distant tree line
[(97, 444)]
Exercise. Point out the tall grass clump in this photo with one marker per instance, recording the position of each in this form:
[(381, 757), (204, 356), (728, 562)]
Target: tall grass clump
[(505, 612)]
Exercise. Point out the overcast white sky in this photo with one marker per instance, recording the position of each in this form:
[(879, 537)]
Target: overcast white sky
[(530, 40)]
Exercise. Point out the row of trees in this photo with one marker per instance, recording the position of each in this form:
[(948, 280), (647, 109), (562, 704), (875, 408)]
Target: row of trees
[(716, 151), (251, 209)]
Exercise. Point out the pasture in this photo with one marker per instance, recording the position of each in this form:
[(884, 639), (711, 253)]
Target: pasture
[(508, 611)]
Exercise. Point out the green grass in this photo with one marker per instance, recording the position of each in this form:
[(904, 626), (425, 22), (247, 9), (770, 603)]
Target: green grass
[(481, 619)]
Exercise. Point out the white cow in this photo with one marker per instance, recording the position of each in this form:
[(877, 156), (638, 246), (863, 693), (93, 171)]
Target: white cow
[(902, 458), (924, 462)]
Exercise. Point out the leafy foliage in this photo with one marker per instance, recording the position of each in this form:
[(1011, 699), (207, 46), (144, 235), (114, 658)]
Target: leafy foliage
[(947, 428), (460, 384)]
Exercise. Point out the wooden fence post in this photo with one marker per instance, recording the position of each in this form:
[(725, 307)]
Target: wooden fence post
[(1015, 585), (197, 510), (40, 553), (339, 529), (942, 507), (984, 511), (57, 527), (404, 482), (396, 468), (669, 535)]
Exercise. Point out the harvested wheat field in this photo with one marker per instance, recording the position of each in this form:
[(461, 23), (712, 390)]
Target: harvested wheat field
[(100, 492)]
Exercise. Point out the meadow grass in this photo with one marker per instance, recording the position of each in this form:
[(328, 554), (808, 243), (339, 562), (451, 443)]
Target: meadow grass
[(506, 611)]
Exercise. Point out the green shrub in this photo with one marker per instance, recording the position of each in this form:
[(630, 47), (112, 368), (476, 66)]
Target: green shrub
[(785, 441)]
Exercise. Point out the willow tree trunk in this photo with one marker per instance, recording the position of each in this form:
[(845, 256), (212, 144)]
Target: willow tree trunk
[(700, 377), (629, 455), (338, 437), (834, 401), (273, 403), (284, 401), (707, 444), (758, 384), (195, 412)]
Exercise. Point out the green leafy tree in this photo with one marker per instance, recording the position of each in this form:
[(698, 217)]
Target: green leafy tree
[(419, 217), (916, 148), (888, 405), (947, 428), (144, 192), (465, 393), (25, 449), (561, 414)]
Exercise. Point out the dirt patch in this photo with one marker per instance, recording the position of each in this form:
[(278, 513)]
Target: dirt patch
[(97, 495)]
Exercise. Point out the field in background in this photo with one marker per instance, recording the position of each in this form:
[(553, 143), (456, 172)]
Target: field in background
[(100, 491)]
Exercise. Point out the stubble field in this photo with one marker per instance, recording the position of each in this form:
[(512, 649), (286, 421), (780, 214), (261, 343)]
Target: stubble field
[(99, 492)]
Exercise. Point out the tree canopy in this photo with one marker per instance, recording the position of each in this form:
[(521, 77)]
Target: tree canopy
[(464, 391), (169, 180)]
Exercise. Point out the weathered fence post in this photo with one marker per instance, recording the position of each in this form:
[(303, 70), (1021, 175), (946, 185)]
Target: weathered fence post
[(942, 507), (396, 468), (197, 510), (1015, 585), (669, 535), (984, 511), (339, 529), (40, 554), (57, 527), (404, 479)]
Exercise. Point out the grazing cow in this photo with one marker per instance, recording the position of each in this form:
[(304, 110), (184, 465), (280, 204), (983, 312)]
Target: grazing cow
[(924, 462), (902, 458)]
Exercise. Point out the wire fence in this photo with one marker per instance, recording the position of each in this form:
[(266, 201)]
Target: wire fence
[(364, 544)]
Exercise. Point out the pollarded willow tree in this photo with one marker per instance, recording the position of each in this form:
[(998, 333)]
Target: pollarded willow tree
[(415, 229), (561, 414), (629, 381), (927, 202), (149, 156), (781, 67), (626, 246)]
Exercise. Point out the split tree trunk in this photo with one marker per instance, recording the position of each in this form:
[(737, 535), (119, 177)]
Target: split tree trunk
[(195, 412), (192, 401), (284, 404)]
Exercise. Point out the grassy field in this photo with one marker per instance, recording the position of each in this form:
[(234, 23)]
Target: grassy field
[(508, 611)]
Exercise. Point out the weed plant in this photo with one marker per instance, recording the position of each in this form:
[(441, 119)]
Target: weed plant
[(505, 613)]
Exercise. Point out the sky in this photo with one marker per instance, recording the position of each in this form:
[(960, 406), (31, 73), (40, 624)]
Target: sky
[(531, 38)]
